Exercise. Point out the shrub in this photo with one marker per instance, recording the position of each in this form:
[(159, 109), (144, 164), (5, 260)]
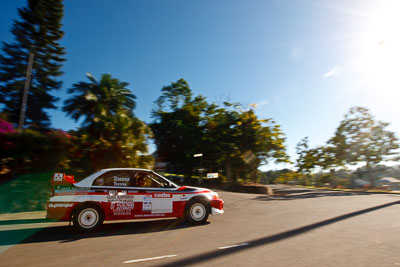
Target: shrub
[(33, 151)]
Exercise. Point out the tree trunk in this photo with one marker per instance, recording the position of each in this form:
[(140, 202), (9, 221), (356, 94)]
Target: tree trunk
[(333, 178), (370, 176)]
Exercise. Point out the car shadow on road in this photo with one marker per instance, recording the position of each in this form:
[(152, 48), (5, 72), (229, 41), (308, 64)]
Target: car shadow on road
[(303, 194), (64, 234), (203, 257)]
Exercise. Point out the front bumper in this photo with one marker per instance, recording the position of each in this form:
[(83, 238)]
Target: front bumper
[(217, 206), (215, 211)]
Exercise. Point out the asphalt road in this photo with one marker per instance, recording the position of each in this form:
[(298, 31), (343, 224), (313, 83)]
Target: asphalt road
[(299, 227)]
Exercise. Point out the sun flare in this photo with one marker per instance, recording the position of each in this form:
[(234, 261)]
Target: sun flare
[(379, 57)]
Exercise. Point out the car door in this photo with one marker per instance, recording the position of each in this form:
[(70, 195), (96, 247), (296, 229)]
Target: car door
[(111, 189), (155, 199)]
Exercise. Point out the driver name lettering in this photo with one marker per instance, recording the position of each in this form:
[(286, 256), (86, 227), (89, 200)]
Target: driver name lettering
[(121, 179)]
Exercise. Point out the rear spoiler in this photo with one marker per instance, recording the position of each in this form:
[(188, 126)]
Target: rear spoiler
[(60, 178)]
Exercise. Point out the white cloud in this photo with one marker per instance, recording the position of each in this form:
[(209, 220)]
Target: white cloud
[(335, 71)]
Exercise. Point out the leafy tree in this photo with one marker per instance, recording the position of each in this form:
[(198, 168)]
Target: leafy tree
[(260, 141), (308, 158), (111, 136), (311, 158), (330, 156), (177, 130), (221, 138), (360, 138), (239, 140), (38, 32), (228, 138)]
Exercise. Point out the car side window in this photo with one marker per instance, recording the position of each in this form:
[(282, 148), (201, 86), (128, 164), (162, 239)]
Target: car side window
[(115, 179), (146, 179)]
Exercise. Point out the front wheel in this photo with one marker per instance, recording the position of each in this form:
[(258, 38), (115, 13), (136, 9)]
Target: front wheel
[(88, 218), (197, 211)]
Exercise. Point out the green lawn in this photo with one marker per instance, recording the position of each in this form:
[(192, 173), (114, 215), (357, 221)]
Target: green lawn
[(25, 193)]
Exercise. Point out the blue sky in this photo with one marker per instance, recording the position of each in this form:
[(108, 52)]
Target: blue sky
[(304, 63)]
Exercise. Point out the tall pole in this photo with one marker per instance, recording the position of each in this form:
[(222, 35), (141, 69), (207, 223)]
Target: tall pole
[(200, 155), (202, 169), (25, 95)]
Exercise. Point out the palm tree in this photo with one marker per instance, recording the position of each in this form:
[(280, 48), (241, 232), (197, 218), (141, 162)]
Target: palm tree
[(111, 136), (96, 100)]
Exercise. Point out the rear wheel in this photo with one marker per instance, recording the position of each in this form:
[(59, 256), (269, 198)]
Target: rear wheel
[(197, 211), (88, 218)]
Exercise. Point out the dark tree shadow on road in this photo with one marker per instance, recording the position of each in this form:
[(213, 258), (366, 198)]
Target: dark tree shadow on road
[(65, 234), (270, 239)]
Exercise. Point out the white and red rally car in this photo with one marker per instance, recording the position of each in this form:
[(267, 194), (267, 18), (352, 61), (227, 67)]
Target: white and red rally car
[(127, 193)]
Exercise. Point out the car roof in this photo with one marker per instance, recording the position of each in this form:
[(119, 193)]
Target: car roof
[(125, 169)]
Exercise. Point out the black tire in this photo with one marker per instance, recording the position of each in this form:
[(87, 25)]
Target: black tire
[(197, 211), (88, 218)]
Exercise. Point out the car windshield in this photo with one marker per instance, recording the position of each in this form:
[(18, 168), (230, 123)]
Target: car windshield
[(162, 180)]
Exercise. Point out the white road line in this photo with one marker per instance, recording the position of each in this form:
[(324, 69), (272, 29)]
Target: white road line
[(150, 259), (234, 246)]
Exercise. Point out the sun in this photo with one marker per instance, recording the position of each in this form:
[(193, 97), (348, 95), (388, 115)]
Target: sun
[(379, 48)]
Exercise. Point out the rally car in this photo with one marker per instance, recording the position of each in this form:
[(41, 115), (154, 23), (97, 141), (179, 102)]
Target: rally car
[(127, 193)]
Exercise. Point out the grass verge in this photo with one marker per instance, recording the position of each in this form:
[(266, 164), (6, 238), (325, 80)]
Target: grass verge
[(27, 192)]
